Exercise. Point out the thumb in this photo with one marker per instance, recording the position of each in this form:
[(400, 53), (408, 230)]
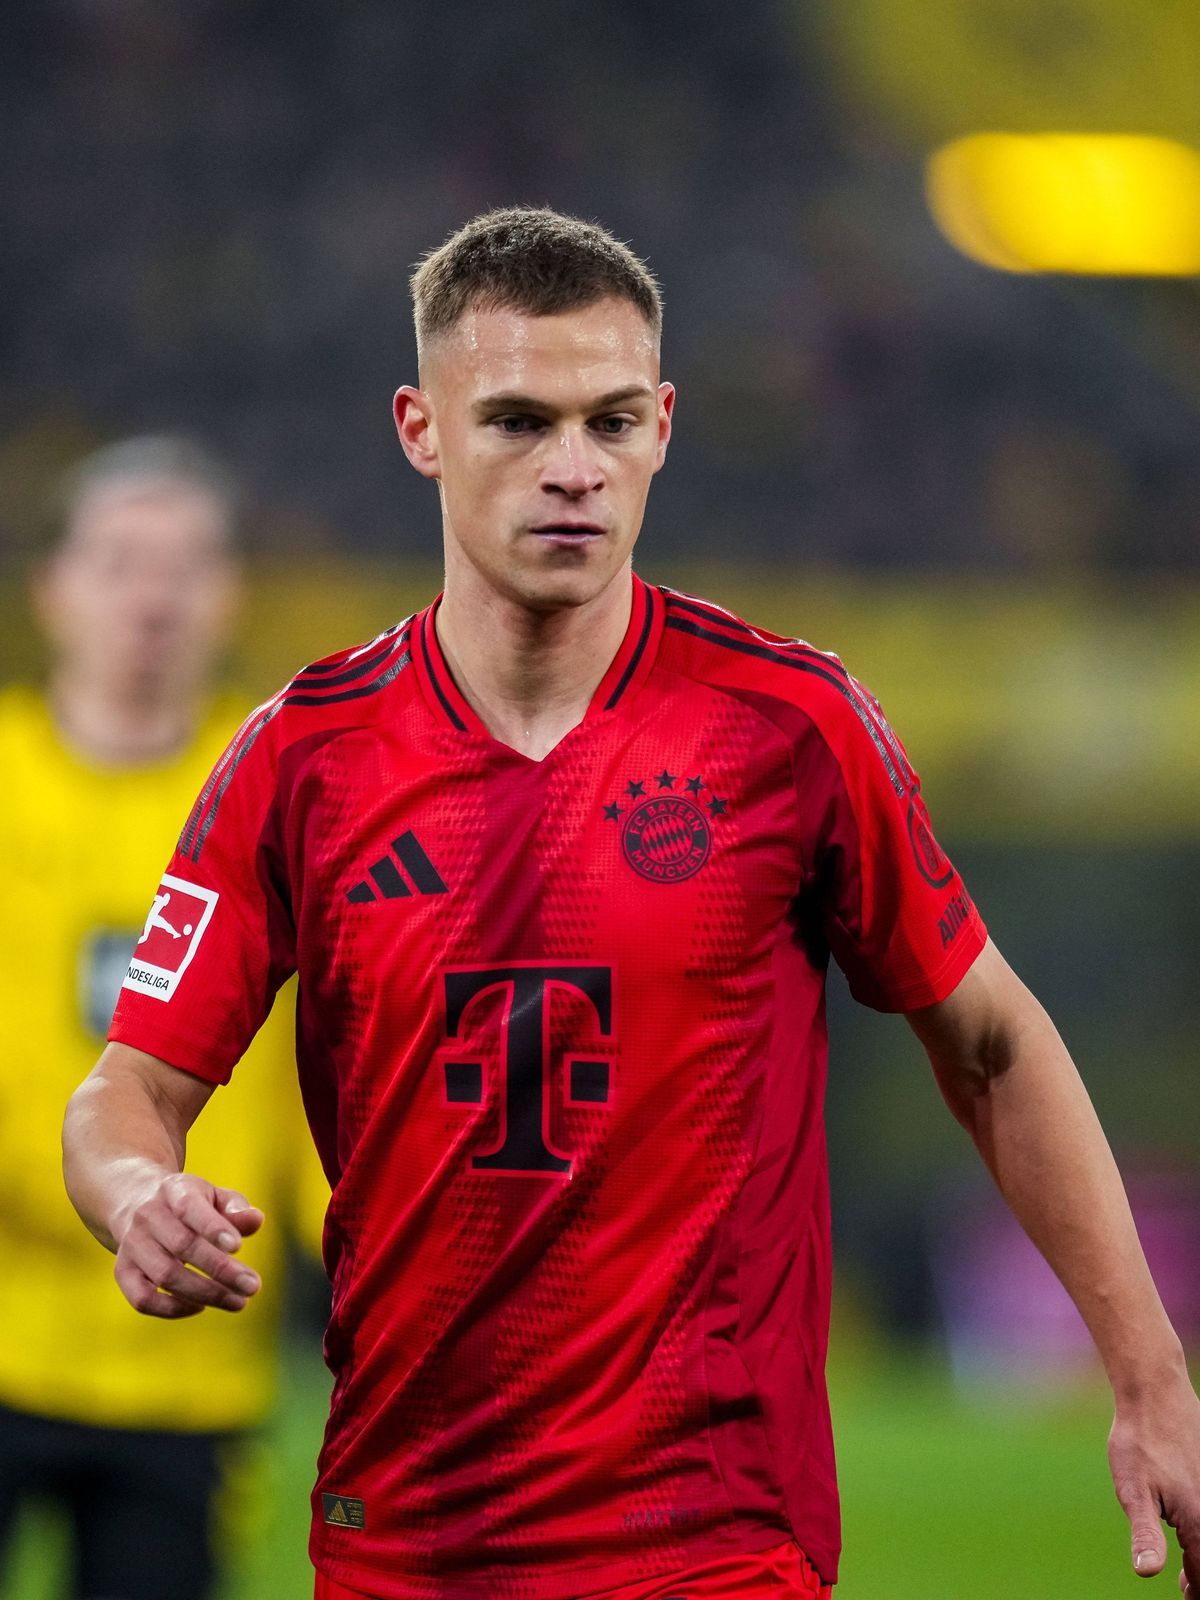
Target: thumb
[(245, 1217), (1148, 1543)]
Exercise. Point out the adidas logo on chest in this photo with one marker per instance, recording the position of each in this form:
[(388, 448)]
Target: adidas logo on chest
[(406, 871)]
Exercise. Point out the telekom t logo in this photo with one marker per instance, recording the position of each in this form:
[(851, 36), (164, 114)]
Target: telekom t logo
[(525, 1057)]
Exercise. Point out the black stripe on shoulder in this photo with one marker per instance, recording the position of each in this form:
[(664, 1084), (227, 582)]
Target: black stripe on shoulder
[(350, 665), (394, 671), (330, 679), (818, 669), (223, 775), (716, 618), (679, 602), (792, 647)]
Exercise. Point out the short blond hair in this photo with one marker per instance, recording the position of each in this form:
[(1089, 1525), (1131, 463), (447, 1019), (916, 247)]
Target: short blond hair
[(532, 260)]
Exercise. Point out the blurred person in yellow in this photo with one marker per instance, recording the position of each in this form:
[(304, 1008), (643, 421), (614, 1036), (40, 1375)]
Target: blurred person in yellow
[(126, 1423)]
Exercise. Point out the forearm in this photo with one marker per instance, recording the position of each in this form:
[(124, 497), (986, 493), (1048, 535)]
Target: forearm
[(173, 1233), (119, 1141), (1031, 1119)]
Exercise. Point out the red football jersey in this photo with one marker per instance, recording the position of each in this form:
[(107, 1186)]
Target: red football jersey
[(561, 1037)]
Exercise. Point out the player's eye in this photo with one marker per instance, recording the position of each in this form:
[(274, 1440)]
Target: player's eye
[(513, 426), (613, 426)]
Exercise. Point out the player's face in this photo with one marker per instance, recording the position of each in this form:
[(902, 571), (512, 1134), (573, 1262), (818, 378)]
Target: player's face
[(140, 593), (543, 434)]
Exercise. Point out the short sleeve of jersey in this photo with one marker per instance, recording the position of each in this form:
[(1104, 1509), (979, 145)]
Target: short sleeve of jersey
[(897, 916), (218, 941)]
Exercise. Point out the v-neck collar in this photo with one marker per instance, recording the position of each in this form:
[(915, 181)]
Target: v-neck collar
[(627, 670)]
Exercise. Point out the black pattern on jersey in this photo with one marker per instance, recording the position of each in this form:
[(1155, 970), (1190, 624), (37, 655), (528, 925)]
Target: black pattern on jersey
[(799, 657), (371, 668), (326, 678), (362, 655)]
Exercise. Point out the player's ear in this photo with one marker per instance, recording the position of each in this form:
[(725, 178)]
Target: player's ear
[(666, 410), (413, 412)]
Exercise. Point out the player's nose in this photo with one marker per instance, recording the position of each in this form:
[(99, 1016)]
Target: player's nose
[(572, 465)]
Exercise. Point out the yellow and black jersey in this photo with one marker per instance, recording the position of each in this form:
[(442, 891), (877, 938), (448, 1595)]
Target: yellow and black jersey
[(83, 846)]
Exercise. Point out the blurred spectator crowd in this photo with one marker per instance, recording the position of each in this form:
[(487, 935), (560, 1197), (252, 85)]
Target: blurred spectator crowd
[(212, 208)]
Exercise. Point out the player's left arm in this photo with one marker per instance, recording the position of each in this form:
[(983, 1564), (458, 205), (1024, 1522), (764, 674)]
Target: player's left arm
[(1008, 1078)]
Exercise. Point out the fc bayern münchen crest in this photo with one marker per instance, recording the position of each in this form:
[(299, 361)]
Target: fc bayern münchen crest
[(666, 836)]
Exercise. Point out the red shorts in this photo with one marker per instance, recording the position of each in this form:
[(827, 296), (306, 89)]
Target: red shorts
[(774, 1574)]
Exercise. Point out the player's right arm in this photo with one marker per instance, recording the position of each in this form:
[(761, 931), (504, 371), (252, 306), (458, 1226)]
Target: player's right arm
[(215, 948), (218, 943), (174, 1234)]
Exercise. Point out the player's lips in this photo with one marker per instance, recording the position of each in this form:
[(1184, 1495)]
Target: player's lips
[(569, 530)]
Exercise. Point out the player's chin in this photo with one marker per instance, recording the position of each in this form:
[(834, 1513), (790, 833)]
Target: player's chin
[(565, 577)]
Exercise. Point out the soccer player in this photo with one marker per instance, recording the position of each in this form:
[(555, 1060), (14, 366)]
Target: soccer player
[(129, 1428), (560, 861)]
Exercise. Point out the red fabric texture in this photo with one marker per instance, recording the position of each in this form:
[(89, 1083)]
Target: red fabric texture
[(561, 1036), (773, 1574)]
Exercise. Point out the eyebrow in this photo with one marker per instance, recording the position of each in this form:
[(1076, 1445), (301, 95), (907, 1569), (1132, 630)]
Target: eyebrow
[(525, 402)]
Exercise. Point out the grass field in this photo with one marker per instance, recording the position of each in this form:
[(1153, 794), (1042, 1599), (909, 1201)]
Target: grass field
[(942, 1500)]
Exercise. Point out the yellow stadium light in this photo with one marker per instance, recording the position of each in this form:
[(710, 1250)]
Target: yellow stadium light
[(1113, 204)]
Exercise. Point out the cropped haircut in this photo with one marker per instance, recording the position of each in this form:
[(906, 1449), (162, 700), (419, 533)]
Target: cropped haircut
[(161, 458), (532, 260)]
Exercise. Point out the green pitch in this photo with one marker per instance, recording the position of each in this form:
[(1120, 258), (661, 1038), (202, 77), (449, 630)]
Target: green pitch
[(942, 1500)]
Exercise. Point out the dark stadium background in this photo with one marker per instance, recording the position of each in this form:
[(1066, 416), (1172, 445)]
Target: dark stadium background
[(982, 488)]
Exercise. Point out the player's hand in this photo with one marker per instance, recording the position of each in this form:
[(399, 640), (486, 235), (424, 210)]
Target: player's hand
[(1154, 1453), (175, 1249)]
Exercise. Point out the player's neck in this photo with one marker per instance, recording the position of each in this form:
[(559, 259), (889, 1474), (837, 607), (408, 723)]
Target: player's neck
[(528, 675), (117, 728)]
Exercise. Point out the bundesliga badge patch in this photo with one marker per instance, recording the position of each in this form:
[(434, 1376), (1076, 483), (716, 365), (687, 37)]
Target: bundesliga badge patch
[(170, 938), (666, 834)]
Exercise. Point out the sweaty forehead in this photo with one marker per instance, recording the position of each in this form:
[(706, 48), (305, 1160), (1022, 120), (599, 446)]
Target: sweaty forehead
[(598, 348)]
